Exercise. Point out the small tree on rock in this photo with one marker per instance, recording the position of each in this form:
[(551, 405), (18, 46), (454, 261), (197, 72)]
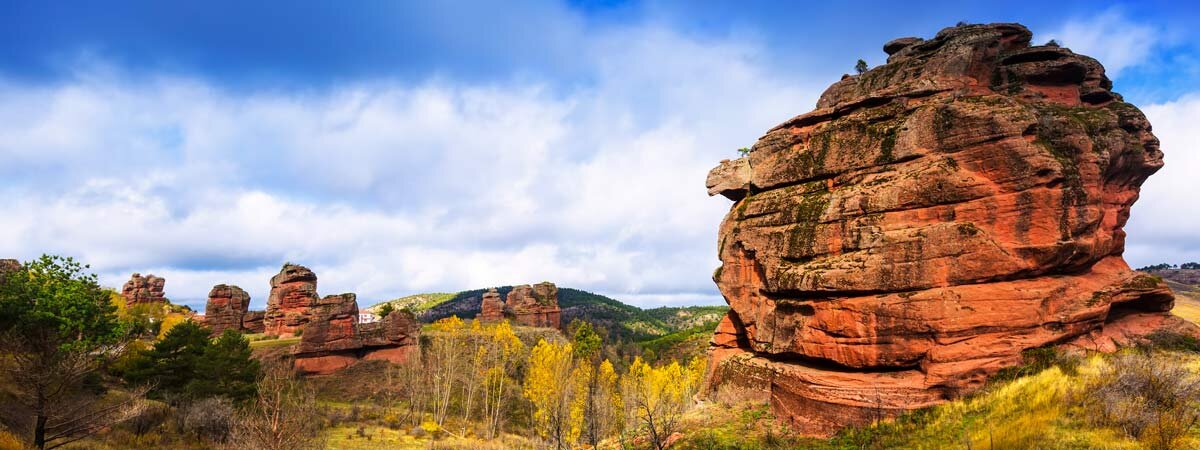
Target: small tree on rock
[(861, 67)]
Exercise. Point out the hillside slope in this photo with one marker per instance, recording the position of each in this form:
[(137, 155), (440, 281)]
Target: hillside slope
[(623, 322)]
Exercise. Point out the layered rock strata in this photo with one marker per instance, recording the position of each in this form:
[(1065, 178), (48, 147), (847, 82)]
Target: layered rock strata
[(929, 221), (141, 290), (293, 294)]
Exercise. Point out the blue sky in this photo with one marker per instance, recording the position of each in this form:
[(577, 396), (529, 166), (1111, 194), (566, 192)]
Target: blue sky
[(403, 147)]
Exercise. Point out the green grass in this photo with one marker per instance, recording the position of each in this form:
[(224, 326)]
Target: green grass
[(266, 343)]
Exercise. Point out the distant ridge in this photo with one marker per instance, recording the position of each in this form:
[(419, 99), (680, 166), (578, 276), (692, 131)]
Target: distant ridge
[(623, 322)]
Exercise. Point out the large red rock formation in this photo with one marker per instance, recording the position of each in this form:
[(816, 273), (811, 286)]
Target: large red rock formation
[(491, 308), (929, 221), (228, 308), (293, 293), (141, 290), (332, 339), (225, 309), (534, 306)]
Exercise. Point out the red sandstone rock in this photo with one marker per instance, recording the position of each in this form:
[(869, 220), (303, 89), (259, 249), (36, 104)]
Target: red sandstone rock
[(534, 306), (141, 290), (491, 308), (252, 322), (331, 326), (730, 178), (931, 219), (332, 339), (226, 308), (293, 293)]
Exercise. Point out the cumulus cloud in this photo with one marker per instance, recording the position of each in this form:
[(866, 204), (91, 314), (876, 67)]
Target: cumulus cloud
[(1162, 226), (387, 188), (1110, 37)]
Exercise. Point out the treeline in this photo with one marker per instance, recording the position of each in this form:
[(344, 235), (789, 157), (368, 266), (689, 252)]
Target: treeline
[(1167, 266)]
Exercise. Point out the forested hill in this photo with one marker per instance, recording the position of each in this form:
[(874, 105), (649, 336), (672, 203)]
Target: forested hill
[(623, 322)]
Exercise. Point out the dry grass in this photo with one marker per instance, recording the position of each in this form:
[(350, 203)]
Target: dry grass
[(267, 343), (1187, 306), (1032, 412)]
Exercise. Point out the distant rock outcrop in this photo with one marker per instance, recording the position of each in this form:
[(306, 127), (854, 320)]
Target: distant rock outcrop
[(491, 308), (929, 221), (293, 294), (531, 306), (332, 338), (143, 289), (228, 308)]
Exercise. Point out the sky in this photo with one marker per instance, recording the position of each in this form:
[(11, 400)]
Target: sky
[(406, 147)]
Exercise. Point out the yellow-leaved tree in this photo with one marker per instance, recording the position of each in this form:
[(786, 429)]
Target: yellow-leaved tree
[(445, 363), (656, 397), (549, 386), (503, 354)]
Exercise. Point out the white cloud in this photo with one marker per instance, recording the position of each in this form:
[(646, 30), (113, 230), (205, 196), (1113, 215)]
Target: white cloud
[(1110, 37), (1164, 222), (386, 188)]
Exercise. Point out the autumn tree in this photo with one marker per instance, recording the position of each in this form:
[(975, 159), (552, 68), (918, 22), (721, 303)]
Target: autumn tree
[(549, 386), (593, 405), (58, 329), (445, 362), (656, 397), (503, 355)]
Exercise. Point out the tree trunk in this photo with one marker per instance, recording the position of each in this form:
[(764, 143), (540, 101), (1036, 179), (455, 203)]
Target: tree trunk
[(39, 430)]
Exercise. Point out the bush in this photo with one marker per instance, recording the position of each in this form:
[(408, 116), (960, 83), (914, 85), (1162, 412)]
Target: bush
[(1169, 340), (149, 418), (209, 419), (1148, 396)]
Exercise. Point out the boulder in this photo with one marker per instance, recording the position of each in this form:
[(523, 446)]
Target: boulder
[(293, 294), (731, 178), (142, 290), (930, 220)]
